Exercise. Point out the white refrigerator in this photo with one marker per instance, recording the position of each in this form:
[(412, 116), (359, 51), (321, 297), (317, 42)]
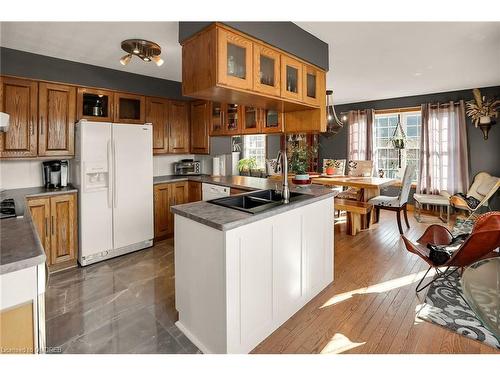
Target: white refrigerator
[(113, 172)]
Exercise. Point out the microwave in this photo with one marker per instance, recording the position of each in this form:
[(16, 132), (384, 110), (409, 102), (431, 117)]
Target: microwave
[(187, 167)]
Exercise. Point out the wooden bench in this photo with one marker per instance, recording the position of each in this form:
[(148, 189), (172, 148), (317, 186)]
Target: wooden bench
[(354, 211)]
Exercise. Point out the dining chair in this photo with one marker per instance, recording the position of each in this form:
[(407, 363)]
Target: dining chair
[(483, 240), (356, 168), (397, 203)]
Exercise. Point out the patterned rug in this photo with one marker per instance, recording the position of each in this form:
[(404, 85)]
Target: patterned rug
[(460, 227), (443, 306)]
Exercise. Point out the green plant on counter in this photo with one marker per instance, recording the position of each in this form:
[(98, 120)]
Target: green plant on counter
[(247, 164), (299, 158)]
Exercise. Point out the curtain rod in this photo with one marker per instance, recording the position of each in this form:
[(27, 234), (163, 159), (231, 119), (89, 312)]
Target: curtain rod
[(405, 109)]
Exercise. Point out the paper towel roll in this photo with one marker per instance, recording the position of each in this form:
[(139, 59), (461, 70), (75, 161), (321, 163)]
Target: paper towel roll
[(216, 166)]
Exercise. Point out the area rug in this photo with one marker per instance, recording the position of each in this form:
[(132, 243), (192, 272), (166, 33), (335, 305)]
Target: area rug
[(443, 306), (460, 227)]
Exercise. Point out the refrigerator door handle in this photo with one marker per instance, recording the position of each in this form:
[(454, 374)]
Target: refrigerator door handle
[(115, 199), (110, 177)]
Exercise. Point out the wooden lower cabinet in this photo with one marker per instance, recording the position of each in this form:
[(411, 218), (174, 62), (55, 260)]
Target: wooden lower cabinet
[(55, 219), (194, 191), (235, 191), (165, 196), (161, 210)]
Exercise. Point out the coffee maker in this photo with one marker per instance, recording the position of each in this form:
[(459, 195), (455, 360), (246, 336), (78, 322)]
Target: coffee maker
[(55, 174)]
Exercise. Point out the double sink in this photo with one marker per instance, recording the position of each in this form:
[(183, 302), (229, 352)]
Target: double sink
[(257, 201)]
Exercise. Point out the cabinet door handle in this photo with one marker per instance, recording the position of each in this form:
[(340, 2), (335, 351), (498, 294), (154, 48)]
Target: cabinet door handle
[(41, 125), (52, 224), (46, 227)]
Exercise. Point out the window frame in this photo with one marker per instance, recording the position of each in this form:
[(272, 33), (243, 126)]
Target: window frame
[(405, 155), (244, 138)]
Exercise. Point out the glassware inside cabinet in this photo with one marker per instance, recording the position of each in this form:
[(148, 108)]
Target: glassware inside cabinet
[(232, 117), (292, 78), (236, 61), (267, 70)]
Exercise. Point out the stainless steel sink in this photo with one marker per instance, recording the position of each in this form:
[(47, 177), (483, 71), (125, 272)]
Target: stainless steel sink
[(256, 201)]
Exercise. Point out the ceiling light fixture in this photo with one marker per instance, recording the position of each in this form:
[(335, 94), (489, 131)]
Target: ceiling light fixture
[(144, 49), (333, 124)]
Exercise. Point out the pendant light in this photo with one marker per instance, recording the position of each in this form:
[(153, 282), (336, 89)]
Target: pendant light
[(333, 124), (144, 49)]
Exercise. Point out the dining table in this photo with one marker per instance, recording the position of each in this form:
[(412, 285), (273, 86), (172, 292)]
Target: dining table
[(369, 186)]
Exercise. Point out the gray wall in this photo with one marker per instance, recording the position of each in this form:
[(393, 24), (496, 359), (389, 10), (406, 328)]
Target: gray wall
[(284, 35), (30, 65), (483, 155)]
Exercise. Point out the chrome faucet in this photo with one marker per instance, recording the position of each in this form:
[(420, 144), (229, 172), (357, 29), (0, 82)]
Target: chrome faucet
[(283, 161)]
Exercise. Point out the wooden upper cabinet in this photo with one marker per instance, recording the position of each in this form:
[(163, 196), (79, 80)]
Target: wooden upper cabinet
[(129, 108), (56, 120), (234, 60), (40, 215), (314, 88), (267, 71), (217, 112), (94, 104), (200, 127), (273, 122), (157, 115), (252, 120), (233, 119), (19, 98), (291, 77), (63, 228), (178, 127)]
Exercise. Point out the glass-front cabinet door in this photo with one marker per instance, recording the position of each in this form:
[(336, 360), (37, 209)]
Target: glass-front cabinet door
[(291, 73), (313, 81), (273, 122), (266, 62), (234, 60), (217, 118), (232, 121), (253, 119)]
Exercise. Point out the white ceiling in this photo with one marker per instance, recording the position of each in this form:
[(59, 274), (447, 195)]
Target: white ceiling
[(380, 60), (97, 43), (368, 60)]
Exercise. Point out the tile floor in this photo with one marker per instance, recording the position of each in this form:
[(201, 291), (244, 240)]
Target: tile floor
[(122, 305)]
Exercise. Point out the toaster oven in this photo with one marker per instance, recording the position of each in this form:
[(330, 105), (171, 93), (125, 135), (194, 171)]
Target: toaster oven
[(187, 167)]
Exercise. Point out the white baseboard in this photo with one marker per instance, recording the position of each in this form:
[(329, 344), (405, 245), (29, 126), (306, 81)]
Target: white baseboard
[(193, 338)]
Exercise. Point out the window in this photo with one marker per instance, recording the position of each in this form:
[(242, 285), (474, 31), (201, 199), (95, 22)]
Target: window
[(255, 146), (386, 156)]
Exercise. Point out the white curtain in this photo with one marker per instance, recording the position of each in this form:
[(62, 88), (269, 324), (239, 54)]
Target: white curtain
[(444, 162), (360, 138)]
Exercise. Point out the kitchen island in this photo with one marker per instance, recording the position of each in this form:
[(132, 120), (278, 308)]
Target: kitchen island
[(239, 276)]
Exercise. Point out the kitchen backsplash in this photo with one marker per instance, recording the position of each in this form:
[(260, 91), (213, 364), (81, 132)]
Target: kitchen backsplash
[(164, 164), (28, 173), (20, 173)]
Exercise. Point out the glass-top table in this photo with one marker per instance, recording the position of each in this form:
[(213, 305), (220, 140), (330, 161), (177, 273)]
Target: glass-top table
[(481, 289)]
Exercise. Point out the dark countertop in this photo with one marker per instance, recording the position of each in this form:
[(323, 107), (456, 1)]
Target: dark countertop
[(20, 246), (223, 218)]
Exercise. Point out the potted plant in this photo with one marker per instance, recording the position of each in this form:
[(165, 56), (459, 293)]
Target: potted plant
[(330, 167), (482, 111), (299, 161), (246, 165)]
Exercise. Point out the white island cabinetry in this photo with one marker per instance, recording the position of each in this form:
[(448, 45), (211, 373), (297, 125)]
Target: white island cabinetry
[(235, 287)]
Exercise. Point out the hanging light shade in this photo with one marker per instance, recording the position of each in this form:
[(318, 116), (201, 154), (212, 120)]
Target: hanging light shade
[(333, 124)]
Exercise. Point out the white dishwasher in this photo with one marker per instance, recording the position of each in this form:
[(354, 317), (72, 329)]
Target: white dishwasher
[(211, 191)]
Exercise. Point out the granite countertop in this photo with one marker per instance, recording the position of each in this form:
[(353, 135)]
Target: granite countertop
[(222, 218), (20, 246)]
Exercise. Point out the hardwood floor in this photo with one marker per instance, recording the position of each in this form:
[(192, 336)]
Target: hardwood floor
[(371, 305)]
